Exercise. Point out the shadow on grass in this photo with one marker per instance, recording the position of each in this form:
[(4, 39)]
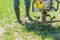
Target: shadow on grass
[(45, 31)]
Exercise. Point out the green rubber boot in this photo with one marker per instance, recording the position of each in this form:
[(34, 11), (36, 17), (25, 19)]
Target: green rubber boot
[(17, 12), (27, 12)]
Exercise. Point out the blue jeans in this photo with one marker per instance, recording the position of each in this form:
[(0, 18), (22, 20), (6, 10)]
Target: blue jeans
[(17, 3)]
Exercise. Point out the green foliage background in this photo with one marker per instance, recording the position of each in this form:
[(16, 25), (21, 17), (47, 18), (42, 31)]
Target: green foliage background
[(7, 21)]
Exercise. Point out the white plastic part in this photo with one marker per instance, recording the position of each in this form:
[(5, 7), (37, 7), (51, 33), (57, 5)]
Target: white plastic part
[(58, 0)]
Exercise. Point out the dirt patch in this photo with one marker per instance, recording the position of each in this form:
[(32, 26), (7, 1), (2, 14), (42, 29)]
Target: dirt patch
[(2, 31), (30, 37), (17, 36)]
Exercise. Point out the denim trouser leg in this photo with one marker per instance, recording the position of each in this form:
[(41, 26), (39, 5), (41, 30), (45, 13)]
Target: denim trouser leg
[(16, 3), (27, 2)]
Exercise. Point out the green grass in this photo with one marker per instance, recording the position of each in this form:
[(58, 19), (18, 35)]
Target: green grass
[(7, 17)]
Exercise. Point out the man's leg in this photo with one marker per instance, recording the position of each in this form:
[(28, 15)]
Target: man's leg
[(17, 11), (51, 3), (27, 6)]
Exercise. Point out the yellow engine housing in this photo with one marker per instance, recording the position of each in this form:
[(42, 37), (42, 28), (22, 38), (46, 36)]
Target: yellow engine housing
[(43, 4), (39, 4)]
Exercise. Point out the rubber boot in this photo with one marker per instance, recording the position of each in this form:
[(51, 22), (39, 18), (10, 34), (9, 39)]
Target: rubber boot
[(27, 12), (17, 12)]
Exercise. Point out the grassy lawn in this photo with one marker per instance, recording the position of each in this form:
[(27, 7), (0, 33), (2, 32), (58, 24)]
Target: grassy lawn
[(9, 30)]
